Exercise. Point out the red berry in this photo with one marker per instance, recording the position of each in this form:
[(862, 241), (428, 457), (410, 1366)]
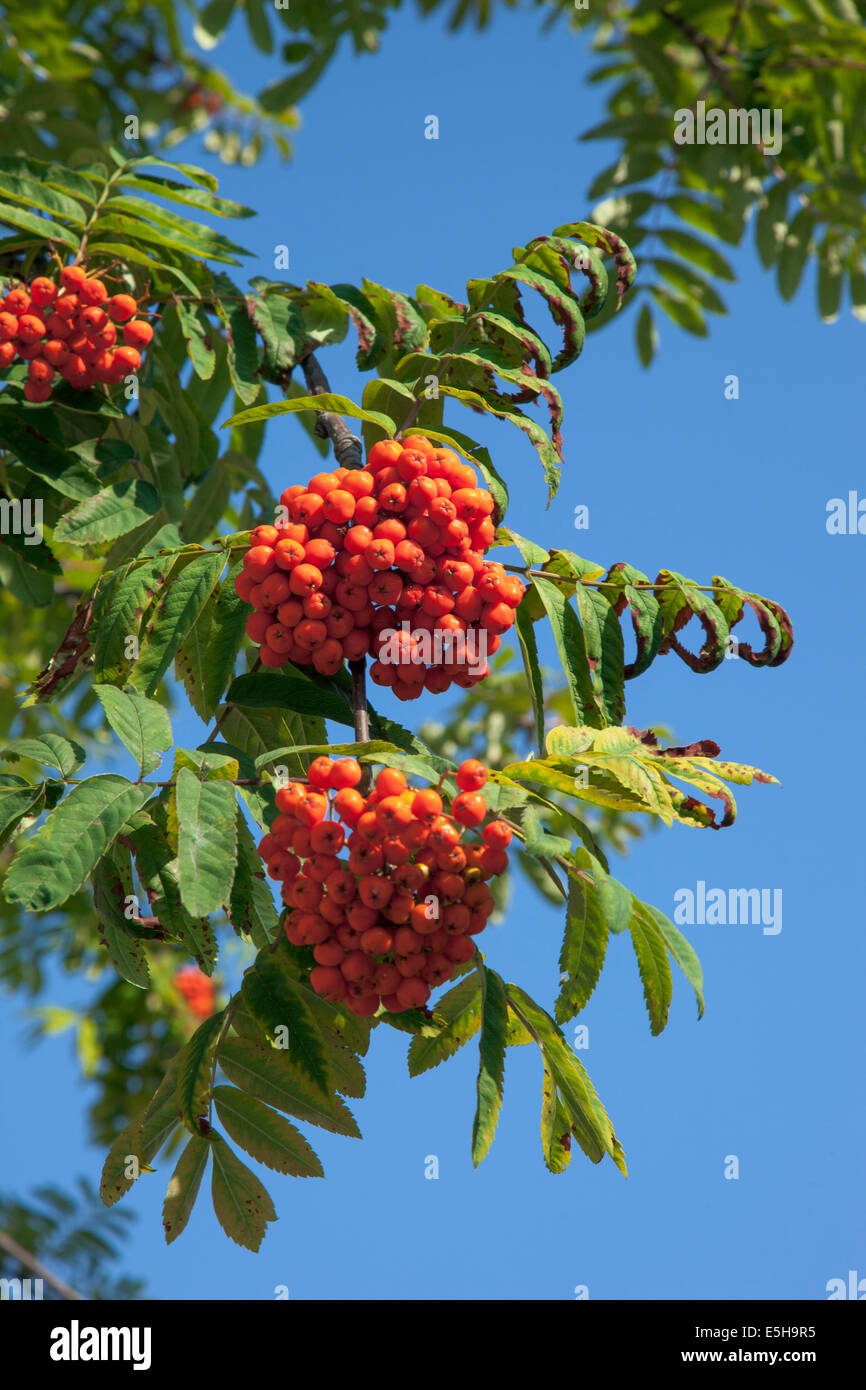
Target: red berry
[(129, 357), (43, 291), (121, 307), (73, 276), (469, 808), (471, 775), (93, 291), (137, 333)]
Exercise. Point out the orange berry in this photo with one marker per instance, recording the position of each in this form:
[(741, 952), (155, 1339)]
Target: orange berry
[(319, 772), (129, 358), (345, 773), (93, 291), (43, 291), (418, 441), (137, 333), (427, 803), (339, 506), (349, 805), (413, 993), (383, 454), (305, 579), (390, 782), (121, 307), (497, 834), (471, 775)]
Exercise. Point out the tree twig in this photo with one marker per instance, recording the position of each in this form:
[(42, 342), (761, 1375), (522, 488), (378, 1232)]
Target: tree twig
[(25, 1258), (362, 715), (348, 449)]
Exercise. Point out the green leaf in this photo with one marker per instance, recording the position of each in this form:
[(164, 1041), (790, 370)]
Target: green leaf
[(174, 192), (265, 1135), (118, 605), (57, 862), (555, 1125), (276, 1001), (691, 248), (584, 942), (157, 869), (111, 513), (771, 224), (27, 582), (206, 659), (183, 1186), (682, 951), (243, 355), (64, 472), (267, 1073), (112, 885), (830, 268), (213, 20), (529, 651), (51, 750), (460, 1010), (655, 972), (260, 30), (683, 310), (142, 1138), (539, 437), (690, 283), (645, 615), (142, 725), (571, 647), (195, 1072), (43, 227), (191, 239), (707, 217), (178, 610), (794, 253), (646, 335), (615, 899), (243, 1207), (16, 802), (49, 175), (192, 171), (251, 908), (590, 1123), (197, 334), (271, 691), (491, 1066), (602, 635), (207, 841), (338, 405)]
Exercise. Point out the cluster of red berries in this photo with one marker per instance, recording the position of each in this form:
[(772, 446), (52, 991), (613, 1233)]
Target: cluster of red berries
[(197, 990), (386, 560), (397, 916), (70, 328)]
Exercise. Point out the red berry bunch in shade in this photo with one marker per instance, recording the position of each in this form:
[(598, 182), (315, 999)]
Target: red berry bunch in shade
[(197, 990), (384, 888), (70, 329), (388, 561)]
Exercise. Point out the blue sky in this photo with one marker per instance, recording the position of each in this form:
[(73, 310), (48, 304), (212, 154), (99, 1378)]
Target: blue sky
[(674, 476)]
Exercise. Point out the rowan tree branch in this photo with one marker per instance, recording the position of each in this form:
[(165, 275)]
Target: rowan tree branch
[(362, 715), (348, 449)]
